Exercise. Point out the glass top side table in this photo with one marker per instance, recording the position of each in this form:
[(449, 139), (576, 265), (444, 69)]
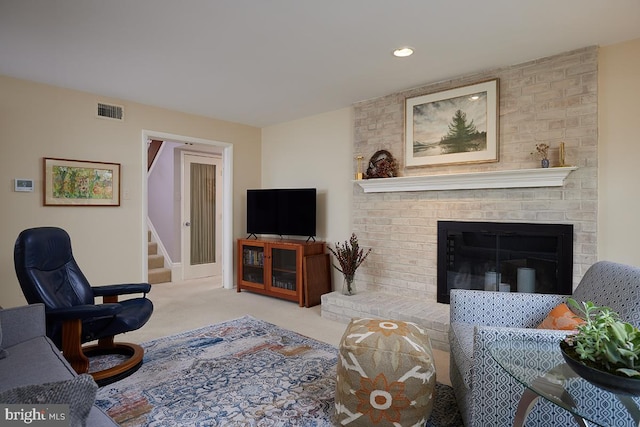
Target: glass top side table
[(540, 367)]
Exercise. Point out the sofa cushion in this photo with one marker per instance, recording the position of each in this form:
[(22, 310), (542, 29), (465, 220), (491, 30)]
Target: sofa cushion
[(3, 352), (34, 361), (561, 318), (461, 343), (79, 393)]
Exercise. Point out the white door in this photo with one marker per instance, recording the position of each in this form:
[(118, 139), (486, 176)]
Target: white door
[(201, 215)]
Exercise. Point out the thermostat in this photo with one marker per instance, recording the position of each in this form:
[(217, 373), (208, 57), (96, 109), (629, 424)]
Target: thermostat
[(23, 184)]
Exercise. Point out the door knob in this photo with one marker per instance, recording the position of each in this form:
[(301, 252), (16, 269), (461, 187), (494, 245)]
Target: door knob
[(188, 224)]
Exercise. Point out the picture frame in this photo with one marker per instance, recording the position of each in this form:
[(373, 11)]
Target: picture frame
[(80, 183), (455, 126)]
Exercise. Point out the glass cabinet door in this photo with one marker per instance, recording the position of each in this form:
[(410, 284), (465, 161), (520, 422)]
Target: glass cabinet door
[(253, 264), (283, 269)]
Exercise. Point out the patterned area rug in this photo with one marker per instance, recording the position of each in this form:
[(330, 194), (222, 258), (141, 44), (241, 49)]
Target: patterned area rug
[(243, 372)]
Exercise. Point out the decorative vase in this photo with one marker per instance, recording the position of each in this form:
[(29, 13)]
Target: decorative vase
[(617, 384), (348, 285), (545, 163)]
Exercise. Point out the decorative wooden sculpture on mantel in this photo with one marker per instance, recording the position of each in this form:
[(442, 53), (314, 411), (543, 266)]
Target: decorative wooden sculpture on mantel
[(382, 165)]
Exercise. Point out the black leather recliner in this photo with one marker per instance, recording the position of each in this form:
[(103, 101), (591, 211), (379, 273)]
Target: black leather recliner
[(49, 274)]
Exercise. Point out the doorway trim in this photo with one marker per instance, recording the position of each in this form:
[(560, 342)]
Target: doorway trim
[(227, 198)]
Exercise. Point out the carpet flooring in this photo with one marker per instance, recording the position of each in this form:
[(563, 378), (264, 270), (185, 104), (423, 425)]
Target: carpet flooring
[(242, 372)]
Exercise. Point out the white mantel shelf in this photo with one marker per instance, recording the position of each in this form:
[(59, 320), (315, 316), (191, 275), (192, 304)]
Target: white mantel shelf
[(520, 178)]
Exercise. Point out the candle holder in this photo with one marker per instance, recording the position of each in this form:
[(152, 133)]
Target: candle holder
[(359, 167), (561, 154)]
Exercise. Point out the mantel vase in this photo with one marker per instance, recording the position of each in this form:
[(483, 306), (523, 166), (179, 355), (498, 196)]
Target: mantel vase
[(348, 285)]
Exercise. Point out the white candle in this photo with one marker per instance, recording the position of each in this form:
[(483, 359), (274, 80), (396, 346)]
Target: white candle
[(526, 279), (491, 281), (505, 287)]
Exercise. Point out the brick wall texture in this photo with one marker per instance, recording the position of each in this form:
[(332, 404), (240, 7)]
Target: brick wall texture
[(548, 100)]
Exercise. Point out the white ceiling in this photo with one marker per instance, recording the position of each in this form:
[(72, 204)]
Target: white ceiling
[(262, 62)]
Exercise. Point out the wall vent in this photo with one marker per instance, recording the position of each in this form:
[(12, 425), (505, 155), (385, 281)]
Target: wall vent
[(108, 111)]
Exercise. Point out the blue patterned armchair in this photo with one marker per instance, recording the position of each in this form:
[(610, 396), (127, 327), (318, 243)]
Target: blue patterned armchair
[(488, 396)]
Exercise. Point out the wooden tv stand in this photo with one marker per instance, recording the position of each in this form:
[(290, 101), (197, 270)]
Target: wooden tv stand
[(294, 270)]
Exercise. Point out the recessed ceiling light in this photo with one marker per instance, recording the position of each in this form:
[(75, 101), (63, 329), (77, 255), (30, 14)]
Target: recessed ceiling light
[(403, 52)]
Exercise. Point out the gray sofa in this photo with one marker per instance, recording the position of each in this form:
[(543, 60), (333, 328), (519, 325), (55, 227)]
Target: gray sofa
[(31, 360), (486, 394)]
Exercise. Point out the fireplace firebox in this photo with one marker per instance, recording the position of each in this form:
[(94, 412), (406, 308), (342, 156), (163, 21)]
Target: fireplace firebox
[(506, 257)]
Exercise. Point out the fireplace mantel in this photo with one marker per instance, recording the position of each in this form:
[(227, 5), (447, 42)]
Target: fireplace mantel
[(519, 178)]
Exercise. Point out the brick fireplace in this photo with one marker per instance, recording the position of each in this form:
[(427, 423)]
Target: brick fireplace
[(548, 100)]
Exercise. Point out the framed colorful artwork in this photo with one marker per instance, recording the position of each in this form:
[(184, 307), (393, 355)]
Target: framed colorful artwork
[(454, 126), (81, 183)]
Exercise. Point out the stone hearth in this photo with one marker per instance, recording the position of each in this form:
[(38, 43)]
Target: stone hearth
[(432, 316)]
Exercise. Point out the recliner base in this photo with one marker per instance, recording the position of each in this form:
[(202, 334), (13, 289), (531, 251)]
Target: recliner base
[(120, 371)]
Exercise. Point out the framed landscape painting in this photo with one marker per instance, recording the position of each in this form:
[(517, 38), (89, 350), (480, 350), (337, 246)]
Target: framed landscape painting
[(452, 127), (81, 183)]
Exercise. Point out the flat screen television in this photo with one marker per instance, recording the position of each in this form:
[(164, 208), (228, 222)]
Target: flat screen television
[(284, 211)]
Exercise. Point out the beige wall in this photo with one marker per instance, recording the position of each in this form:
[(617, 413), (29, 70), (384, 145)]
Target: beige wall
[(43, 121), (316, 151), (619, 153), (39, 120)]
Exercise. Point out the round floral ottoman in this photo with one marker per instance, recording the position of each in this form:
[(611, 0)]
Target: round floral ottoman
[(386, 375)]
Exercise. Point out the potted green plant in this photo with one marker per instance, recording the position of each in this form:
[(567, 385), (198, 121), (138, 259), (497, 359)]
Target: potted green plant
[(349, 255), (604, 350)]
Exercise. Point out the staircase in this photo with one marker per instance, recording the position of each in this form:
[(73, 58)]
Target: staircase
[(157, 272)]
